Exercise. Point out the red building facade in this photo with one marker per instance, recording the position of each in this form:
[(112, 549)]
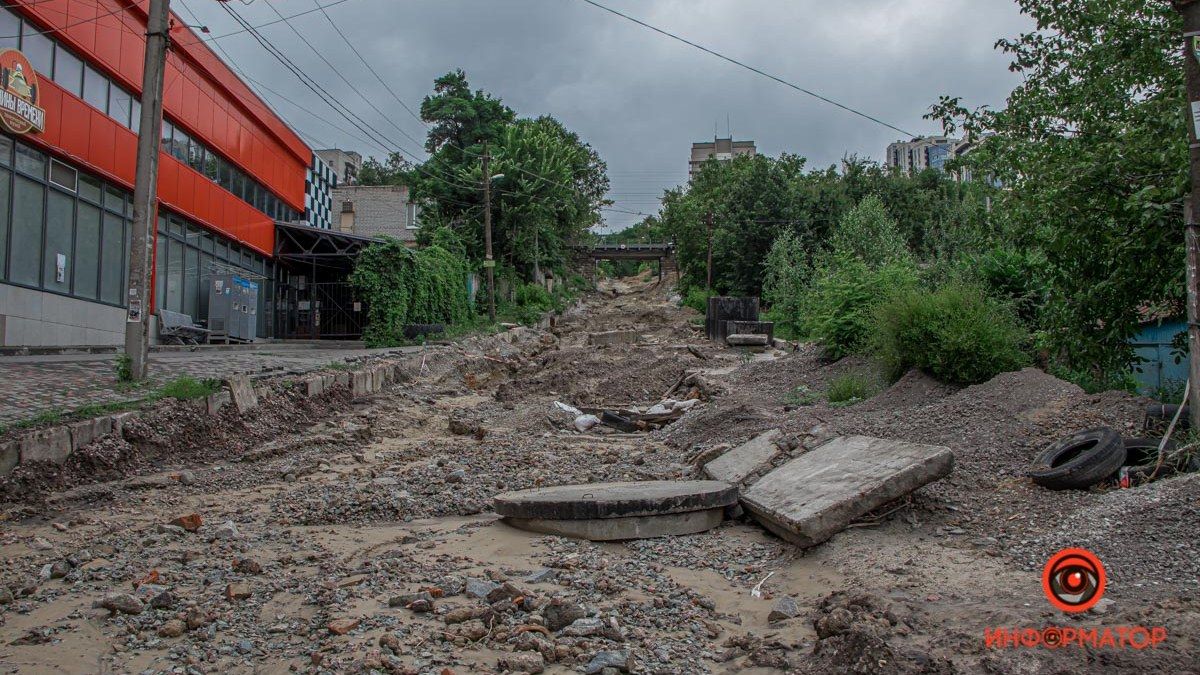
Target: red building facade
[(229, 169)]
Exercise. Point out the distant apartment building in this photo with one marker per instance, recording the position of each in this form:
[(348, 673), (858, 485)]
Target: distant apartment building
[(345, 164), (377, 210), (723, 149), (318, 194), (926, 152)]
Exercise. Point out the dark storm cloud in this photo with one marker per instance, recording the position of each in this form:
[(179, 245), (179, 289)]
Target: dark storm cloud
[(639, 98)]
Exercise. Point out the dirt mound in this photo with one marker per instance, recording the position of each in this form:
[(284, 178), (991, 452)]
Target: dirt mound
[(590, 375), (913, 389), (852, 637)]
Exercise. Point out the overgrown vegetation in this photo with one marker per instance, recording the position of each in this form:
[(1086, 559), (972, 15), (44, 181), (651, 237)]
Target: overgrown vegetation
[(955, 333), (852, 387), (404, 286)]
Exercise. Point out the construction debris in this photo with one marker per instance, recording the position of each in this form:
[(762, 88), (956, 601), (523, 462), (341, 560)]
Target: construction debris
[(613, 337), (816, 495), (744, 461)]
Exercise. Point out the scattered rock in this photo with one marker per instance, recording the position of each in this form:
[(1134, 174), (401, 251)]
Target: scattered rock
[(785, 608), (172, 629), (478, 588), (247, 566), (227, 530), (522, 662), (342, 626), (620, 660), (560, 614), (120, 603), (190, 522), (237, 591)]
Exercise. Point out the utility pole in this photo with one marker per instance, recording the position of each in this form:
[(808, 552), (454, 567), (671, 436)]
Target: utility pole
[(145, 191), (1190, 11), (709, 221), (488, 262)]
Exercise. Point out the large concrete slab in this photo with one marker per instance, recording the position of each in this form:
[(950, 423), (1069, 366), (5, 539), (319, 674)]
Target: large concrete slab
[(618, 529), (616, 500), (743, 461), (816, 495), (244, 397)]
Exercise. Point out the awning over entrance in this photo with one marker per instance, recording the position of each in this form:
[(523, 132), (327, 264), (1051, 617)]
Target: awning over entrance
[(325, 248)]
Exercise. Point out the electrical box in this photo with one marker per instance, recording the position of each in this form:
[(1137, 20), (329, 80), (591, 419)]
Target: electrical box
[(232, 307)]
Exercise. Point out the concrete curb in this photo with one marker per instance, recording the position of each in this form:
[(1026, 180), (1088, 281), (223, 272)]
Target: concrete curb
[(55, 444)]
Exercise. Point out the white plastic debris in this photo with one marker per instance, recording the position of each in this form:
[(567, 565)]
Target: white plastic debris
[(586, 422), (756, 592), (569, 409), (661, 408), (686, 405)]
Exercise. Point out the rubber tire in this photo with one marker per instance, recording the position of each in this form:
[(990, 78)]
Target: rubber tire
[(1139, 474), (1080, 460)]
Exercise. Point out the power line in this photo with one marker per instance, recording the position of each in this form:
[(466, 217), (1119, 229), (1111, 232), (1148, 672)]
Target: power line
[(247, 27), (749, 67), (77, 23)]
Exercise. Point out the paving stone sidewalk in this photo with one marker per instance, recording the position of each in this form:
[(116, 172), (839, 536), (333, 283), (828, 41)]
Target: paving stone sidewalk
[(31, 385)]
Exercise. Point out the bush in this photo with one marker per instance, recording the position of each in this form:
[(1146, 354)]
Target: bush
[(957, 334), (838, 308), (851, 388), (697, 299), (403, 286)]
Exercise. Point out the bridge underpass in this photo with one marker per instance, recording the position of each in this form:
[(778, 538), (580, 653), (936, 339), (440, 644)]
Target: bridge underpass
[(663, 253)]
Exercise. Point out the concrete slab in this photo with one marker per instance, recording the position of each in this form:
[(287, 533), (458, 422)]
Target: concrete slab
[(615, 500), (743, 461), (244, 396), (632, 527), (82, 433), (360, 383), (613, 337), (48, 445), (10, 457), (816, 495), (314, 386), (747, 340)]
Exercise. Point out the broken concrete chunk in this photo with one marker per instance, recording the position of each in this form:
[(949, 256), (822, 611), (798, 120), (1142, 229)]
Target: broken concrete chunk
[(746, 340), (743, 461), (244, 396), (816, 495)]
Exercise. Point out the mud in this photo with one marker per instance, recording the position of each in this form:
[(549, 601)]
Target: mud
[(348, 535)]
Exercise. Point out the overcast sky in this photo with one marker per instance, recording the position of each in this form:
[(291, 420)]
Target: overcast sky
[(638, 97)]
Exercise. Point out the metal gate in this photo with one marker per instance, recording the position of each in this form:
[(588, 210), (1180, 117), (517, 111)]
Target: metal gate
[(321, 311)]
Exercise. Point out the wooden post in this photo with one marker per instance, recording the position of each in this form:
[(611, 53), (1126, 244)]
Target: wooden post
[(709, 221)]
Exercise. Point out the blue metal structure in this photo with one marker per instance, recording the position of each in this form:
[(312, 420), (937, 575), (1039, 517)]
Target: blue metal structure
[(1159, 369)]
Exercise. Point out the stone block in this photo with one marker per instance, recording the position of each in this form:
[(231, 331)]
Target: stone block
[(816, 495), (82, 433), (213, 403), (376, 379), (613, 337), (747, 340), (327, 382), (743, 461), (10, 456), (314, 386), (102, 426), (360, 383), (121, 420), (342, 378), (244, 397), (46, 445)]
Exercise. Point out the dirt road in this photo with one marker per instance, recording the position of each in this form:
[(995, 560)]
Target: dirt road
[(360, 540)]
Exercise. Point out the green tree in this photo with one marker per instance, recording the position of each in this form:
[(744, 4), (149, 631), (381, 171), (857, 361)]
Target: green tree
[(1090, 154)]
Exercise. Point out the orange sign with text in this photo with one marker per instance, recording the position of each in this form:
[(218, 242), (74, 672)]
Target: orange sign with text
[(19, 111)]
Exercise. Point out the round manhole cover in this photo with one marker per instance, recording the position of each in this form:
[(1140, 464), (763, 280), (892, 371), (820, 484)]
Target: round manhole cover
[(616, 500)]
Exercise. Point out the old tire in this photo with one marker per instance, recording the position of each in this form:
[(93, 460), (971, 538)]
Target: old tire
[(1080, 460)]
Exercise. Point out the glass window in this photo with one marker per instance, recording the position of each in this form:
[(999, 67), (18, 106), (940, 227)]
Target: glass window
[(62, 175), (112, 271), (225, 174), (237, 183), (135, 115), (68, 71), (160, 267), (28, 218), (206, 263), (10, 30), (95, 88), (119, 104), (177, 228), (89, 188), (222, 249), (6, 150), (196, 156), (114, 199), (180, 148), (175, 277), (31, 161), (206, 242), (211, 165), (60, 226), (166, 136), (5, 177), (87, 251), (37, 48), (191, 282)]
